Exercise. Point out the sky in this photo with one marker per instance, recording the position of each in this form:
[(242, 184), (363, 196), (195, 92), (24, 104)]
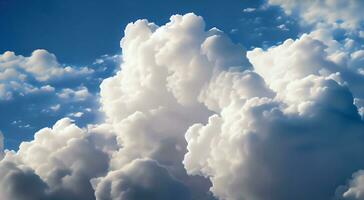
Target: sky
[(189, 100), (92, 28)]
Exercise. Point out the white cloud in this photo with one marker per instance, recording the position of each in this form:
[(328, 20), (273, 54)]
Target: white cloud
[(78, 94), (76, 114), (276, 126), (55, 107), (283, 27), (356, 187), (104, 58), (271, 154), (266, 139), (18, 73), (41, 64), (154, 98), (341, 13), (60, 159), (249, 10), (302, 78)]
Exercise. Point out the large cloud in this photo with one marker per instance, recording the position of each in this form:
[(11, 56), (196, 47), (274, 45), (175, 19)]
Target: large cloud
[(275, 147), (255, 150), (256, 131), (153, 100)]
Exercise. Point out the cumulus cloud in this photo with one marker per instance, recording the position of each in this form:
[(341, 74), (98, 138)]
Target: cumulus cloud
[(43, 90), (78, 94), (266, 139), (57, 164), (154, 98), (265, 122), (191, 112), (77, 114), (341, 13), (256, 150), (140, 179), (18, 73)]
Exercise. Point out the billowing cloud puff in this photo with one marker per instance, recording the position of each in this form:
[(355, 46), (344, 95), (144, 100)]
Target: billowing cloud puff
[(189, 110), (78, 94), (252, 120), (57, 164), (311, 54), (170, 66), (41, 64), (271, 148), (141, 179), (254, 150), (18, 73), (153, 100), (346, 14)]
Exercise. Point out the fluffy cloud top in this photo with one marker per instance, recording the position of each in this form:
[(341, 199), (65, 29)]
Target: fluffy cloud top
[(153, 100), (275, 146), (272, 124)]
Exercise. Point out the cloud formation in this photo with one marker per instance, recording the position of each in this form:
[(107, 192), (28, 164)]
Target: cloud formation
[(58, 163), (44, 90), (341, 13), (20, 75), (190, 112), (153, 100), (275, 146), (140, 179)]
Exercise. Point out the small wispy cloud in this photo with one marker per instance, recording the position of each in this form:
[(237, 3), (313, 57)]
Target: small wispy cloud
[(249, 10)]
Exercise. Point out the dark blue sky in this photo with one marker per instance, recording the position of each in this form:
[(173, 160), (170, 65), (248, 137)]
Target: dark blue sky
[(80, 31)]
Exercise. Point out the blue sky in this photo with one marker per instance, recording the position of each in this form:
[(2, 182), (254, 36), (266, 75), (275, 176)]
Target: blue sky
[(92, 29), (185, 100), (80, 32)]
